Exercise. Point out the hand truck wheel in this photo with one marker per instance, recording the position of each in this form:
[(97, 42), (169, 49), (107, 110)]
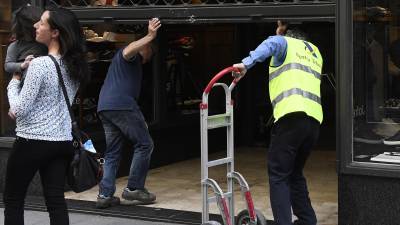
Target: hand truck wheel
[(243, 218), (211, 222)]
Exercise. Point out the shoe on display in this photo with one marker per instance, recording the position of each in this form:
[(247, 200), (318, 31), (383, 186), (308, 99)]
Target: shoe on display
[(106, 55), (387, 128), (142, 195), (367, 135), (393, 140), (368, 139), (105, 202)]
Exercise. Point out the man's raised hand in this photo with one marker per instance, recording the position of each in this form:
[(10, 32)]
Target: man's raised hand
[(154, 25)]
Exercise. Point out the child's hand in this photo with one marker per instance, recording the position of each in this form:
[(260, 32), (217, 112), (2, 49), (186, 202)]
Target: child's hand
[(17, 76), (11, 114), (27, 61)]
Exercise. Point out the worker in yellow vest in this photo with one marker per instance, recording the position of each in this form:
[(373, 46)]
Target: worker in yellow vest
[(294, 90)]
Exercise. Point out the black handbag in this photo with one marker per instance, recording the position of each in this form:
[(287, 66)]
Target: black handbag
[(85, 170)]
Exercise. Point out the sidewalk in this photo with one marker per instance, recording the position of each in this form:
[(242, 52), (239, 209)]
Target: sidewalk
[(42, 218)]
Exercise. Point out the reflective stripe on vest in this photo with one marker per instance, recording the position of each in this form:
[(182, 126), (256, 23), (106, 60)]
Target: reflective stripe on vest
[(296, 91), (294, 86), (292, 66)]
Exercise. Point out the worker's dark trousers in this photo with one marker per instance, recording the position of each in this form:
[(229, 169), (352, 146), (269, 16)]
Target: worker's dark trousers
[(292, 138)]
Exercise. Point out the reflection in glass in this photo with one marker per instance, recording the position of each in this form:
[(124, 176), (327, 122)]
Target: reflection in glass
[(376, 81)]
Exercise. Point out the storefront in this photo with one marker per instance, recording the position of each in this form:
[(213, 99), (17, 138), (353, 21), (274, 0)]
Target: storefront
[(199, 38), (368, 49)]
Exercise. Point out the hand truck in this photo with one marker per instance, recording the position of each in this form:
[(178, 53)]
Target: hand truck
[(224, 200)]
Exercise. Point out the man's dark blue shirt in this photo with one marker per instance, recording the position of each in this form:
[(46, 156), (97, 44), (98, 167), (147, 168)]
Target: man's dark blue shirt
[(122, 84)]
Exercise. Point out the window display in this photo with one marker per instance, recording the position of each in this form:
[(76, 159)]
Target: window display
[(116, 3), (183, 91), (102, 42), (376, 81)]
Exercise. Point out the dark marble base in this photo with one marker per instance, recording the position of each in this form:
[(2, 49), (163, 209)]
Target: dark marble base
[(367, 200), (130, 212)]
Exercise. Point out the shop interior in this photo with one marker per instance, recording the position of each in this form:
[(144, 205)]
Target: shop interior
[(376, 80), (187, 57)]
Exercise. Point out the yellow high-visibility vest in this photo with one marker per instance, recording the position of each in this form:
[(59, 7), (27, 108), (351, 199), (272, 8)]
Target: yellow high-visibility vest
[(294, 86)]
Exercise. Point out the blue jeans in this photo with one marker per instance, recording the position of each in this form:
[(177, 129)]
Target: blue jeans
[(292, 138), (119, 126)]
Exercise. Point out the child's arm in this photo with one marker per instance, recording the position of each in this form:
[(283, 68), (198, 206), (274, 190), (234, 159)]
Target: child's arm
[(11, 65)]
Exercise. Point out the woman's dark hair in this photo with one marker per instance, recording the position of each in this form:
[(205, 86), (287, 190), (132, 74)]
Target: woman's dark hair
[(72, 42), (23, 20)]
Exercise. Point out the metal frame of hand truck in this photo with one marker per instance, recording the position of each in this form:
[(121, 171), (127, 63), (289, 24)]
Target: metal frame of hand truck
[(225, 200)]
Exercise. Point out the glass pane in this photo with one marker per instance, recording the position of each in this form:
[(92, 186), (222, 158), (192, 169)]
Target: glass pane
[(135, 3), (193, 55), (376, 81)]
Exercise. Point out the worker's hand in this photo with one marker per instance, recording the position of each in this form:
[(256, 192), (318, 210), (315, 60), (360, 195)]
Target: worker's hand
[(27, 61), (282, 27), (154, 25), (241, 68)]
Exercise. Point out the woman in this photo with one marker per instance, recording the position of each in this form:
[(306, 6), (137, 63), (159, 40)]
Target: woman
[(44, 141)]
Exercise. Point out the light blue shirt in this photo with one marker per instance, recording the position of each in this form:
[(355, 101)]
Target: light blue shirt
[(272, 46)]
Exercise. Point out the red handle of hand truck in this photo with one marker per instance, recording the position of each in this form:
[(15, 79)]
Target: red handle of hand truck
[(219, 75)]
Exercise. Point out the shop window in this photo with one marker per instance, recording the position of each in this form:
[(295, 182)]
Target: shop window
[(130, 3), (376, 82), (192, 55), (183, 90)]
